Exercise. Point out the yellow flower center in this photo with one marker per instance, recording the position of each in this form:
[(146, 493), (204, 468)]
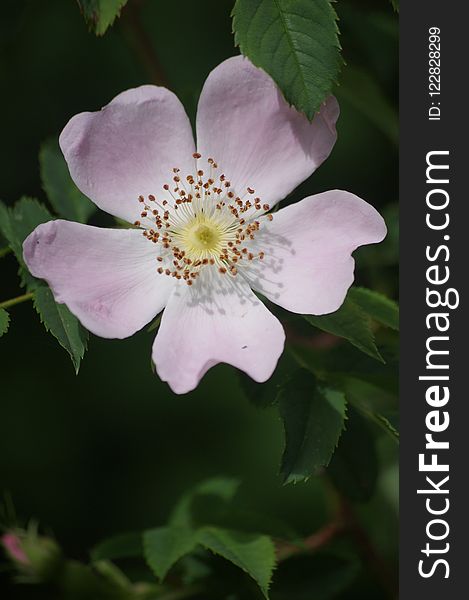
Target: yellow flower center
[(201, 222), (202, 237)]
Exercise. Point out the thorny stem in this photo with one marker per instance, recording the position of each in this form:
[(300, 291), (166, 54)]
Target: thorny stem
[(313, 542), (141, 43), (5, 251), (17, 300), (344, 523), (318, 341)]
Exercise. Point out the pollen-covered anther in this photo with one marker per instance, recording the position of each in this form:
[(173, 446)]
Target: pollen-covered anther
[(203, 222)]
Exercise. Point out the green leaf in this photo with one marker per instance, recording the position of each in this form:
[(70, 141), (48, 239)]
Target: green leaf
[(215, 502), (387, 422), (354, 466), (64, 326), (5, 224), (351, 323), (265, 395), (375, 305), (125, 545), (63, 194), (164, 546), (342, 365), (18, 222), (155, 323), (395, 5), (215, 493), (365, 95), (295, 42), (313, 417), (254, 554), (100, 14), (4, 321)]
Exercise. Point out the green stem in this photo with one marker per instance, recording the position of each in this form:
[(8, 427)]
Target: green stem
[(17, 300), (4, 251), (141, 43)]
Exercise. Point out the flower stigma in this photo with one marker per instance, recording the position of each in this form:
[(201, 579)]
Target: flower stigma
[(199, 221)]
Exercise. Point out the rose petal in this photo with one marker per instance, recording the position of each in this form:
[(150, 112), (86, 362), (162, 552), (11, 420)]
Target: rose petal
[(308, 266), (106, 277), (216, 320), (258, 141), (128, 148)]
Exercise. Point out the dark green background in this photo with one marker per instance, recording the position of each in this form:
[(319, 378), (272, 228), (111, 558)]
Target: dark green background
[(112, 449)]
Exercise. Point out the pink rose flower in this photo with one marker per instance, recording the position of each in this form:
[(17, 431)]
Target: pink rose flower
[(205, 240)]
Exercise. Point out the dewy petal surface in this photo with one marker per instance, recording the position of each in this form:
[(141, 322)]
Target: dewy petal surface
[(221, 321), (308, 266), (106, 277), (258, 141), (128, 148)]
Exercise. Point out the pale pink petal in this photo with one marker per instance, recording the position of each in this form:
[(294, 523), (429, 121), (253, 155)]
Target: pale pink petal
[(308, 266), (128, 148), (257, 139), (220, 320), (106, 277)]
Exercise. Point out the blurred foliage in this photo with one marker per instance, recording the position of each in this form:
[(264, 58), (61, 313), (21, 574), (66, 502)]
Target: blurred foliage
[(110, 451)]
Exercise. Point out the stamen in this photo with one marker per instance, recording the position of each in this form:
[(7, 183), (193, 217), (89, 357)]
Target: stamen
[(202, 225)]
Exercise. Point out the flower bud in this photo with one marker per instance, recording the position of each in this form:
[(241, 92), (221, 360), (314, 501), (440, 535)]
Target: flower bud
[(12, 545), (35, 556)]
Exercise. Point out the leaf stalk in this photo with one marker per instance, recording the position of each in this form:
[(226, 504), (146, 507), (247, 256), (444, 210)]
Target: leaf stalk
[(17, 300)]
